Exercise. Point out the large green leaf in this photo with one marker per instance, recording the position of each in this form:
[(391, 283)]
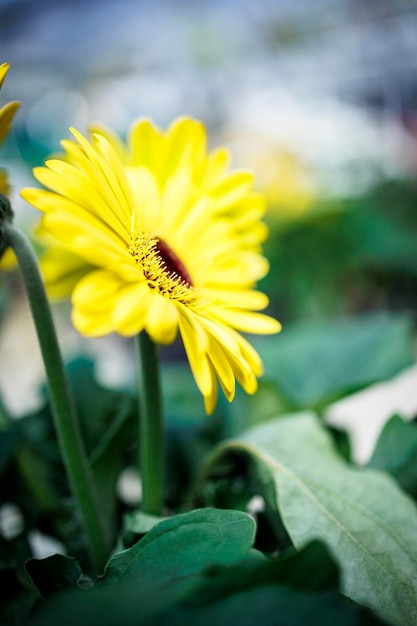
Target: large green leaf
[(182, 545), (313, 362), (369, 524)]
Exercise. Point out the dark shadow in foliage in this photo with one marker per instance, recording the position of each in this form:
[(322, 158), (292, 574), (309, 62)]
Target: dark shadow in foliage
[(232, 483), (18, 596), (54, 574), (299, 588)]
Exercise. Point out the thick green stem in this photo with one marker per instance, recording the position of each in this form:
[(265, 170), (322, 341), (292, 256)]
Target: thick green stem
[(66, 424), (151, 427)]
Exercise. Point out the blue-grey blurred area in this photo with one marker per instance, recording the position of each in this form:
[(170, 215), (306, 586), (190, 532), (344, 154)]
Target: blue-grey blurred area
[(317, 97), (328, 78)]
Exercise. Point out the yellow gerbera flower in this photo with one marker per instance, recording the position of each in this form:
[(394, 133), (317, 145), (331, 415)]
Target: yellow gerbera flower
[(175, 239), (7, 112), (6, 116), (8, 260)]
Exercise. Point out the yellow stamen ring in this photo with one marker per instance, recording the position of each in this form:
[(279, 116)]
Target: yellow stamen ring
[(162, 268)]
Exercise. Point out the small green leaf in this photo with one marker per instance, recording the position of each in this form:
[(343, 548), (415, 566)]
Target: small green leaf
[(367, 521), (54, 573), (141, 523), (183, 545), (396, 453), (136, 524)]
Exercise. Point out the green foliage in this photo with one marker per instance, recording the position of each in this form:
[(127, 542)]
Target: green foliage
[(33, 477), (328, 543), (355, 255), (287, 530), (209, 565), (182, 545), (362, 515), (174, 576)]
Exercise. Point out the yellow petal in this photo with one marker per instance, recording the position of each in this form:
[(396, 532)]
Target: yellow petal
[(175, 200), (97, 326), (195, 344), (90, 240), (7, 114), (146, 194), (223, 369), (162, 320), (96, 292), (66, 181), (210, 400), (245, 363), (4, 68), (115, 173), (98, 172), (231, 189), (147, 147), (248, 352), (246, 299), (130, 309), (256, 323), (216, 164), (186, 145), (194, 221), (61, 271), (105, 157), (112, 138), (221, 333)]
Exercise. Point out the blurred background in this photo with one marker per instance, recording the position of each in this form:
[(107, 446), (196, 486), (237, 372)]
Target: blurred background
[(318, 97)]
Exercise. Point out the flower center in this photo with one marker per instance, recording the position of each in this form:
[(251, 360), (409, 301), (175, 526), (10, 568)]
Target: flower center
[(162, 268)]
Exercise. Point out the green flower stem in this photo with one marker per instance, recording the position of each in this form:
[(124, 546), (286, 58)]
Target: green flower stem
[(66, 424), (151, 427)]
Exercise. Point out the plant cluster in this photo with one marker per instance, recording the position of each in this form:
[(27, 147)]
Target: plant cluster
[(255, 512)]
